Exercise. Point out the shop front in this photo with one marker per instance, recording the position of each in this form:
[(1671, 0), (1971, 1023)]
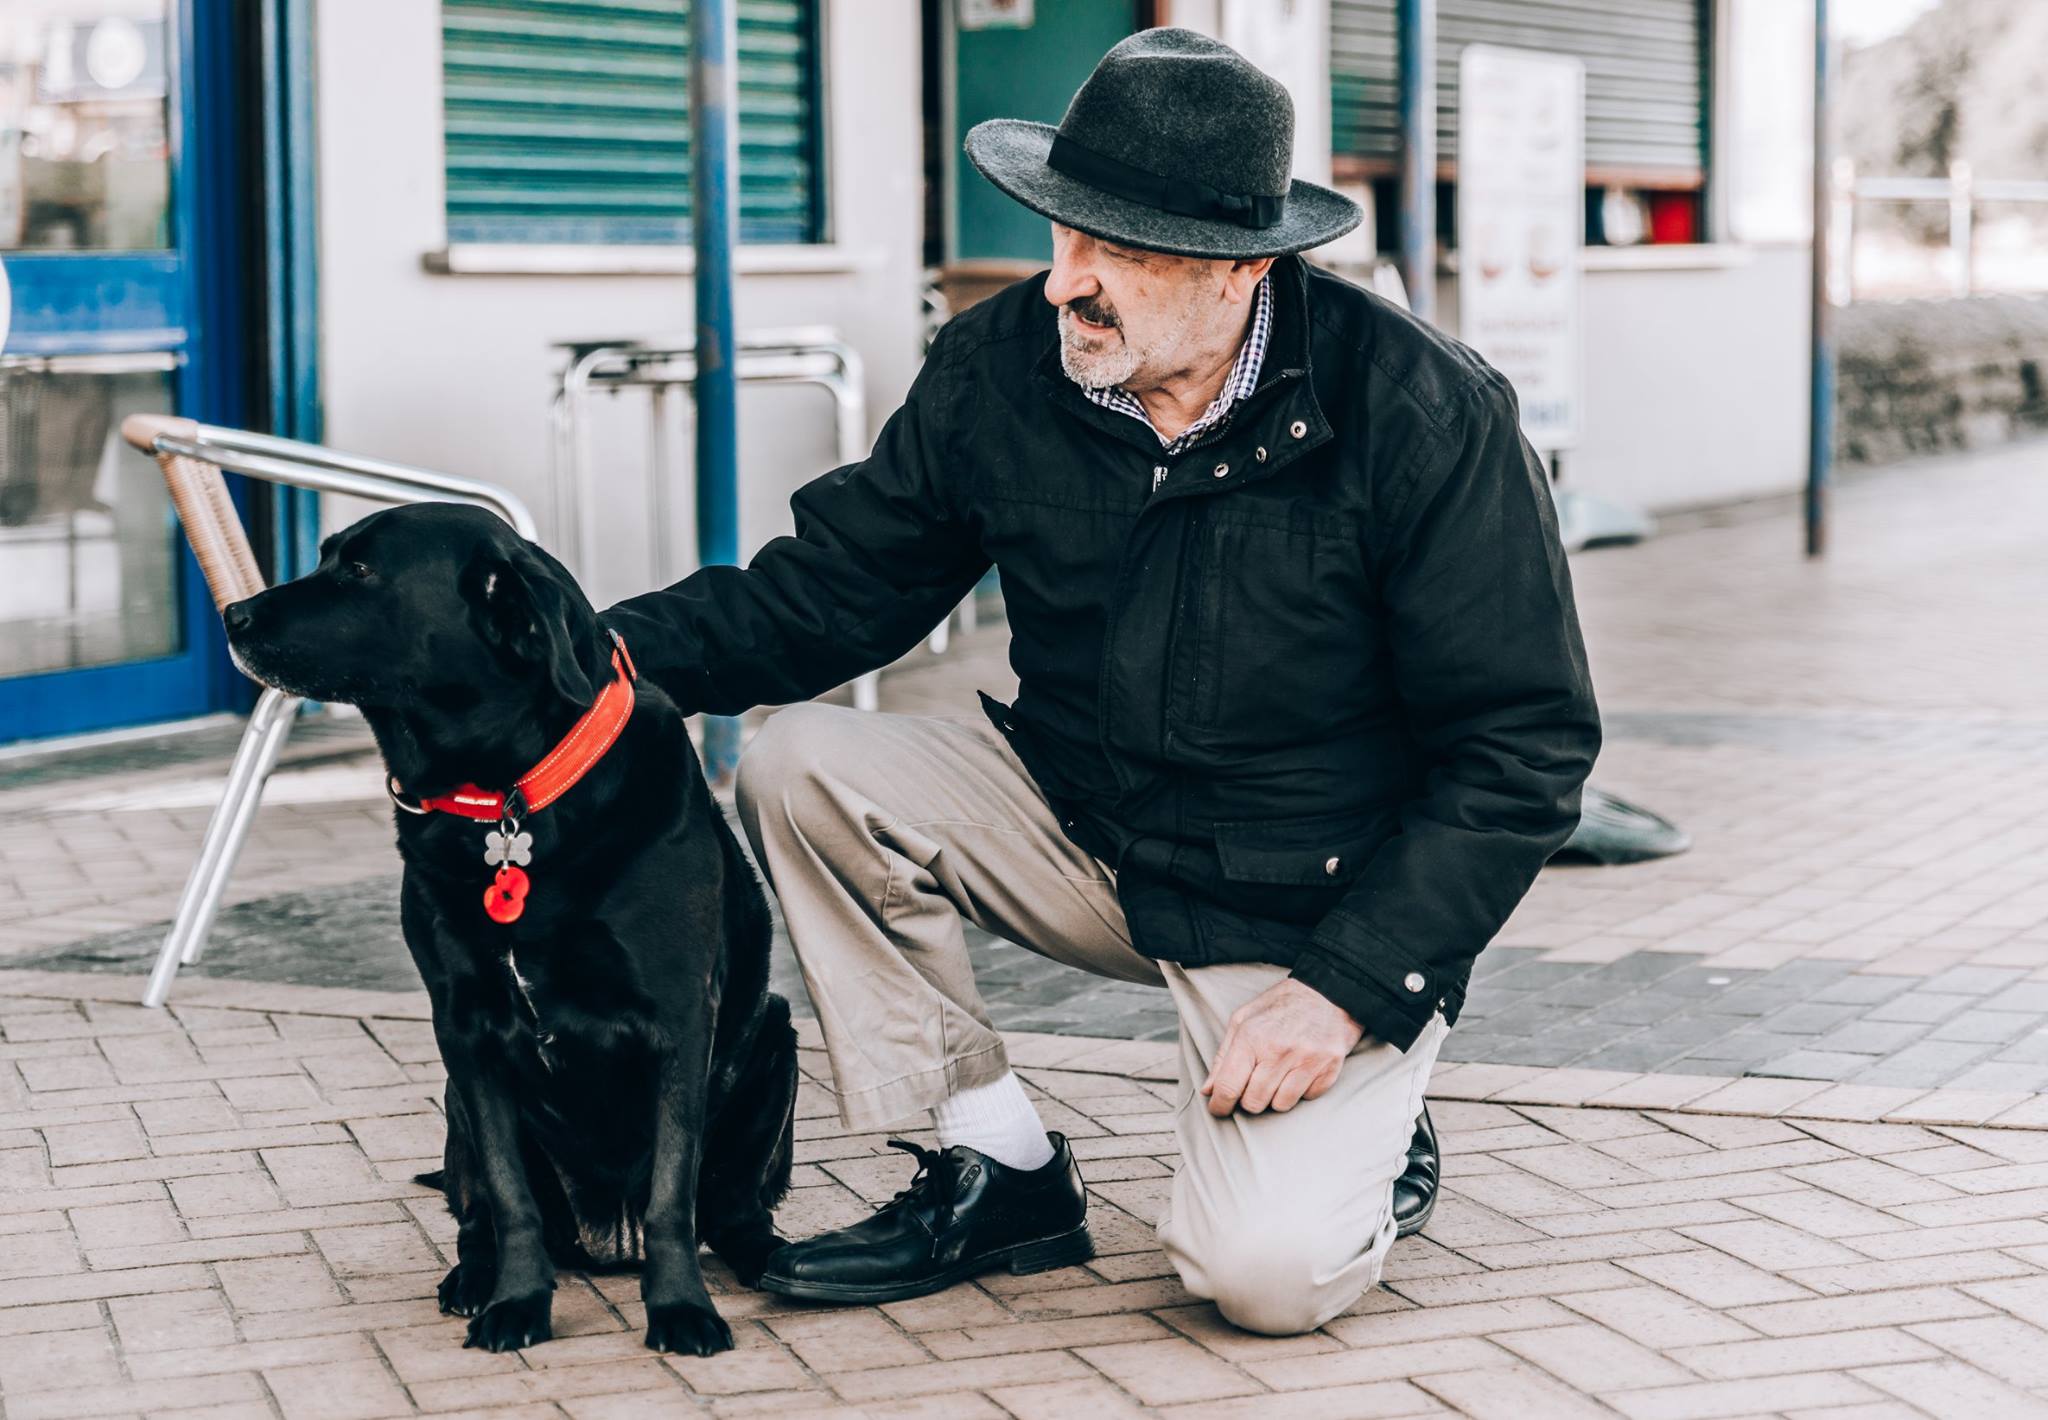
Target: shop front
[(133, 271)]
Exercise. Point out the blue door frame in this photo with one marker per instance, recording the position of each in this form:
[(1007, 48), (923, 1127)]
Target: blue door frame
[(234, 338)]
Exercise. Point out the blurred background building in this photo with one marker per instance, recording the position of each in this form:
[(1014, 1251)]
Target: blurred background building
[(384, 224)]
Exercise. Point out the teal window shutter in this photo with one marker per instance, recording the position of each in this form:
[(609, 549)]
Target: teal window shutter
[(568, 121)]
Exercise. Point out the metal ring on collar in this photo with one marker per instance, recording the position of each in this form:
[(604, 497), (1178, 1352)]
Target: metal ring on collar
[(398, 797)]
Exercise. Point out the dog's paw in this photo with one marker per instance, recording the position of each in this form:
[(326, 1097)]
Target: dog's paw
[(687, 1329), (513, 1324), (466, 1290)]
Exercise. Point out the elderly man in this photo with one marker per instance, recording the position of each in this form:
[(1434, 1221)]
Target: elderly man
[(1303, 706)]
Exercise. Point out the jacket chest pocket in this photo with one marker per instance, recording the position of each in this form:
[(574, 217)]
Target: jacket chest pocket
[(1280, 634)]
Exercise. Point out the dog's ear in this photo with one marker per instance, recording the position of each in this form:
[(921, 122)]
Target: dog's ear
[(526, 613)]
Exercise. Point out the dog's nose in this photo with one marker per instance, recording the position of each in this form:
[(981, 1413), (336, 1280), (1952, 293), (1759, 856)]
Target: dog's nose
[(237, 616)]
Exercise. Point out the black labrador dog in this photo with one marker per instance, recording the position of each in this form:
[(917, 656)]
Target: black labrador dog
[(621, 1082)]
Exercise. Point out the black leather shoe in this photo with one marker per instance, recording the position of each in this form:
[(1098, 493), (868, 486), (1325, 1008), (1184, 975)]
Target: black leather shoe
[(963, 1214), (1415, 1189)]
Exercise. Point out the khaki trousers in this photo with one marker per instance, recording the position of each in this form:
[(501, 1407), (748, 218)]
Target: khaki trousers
[(880, 833)]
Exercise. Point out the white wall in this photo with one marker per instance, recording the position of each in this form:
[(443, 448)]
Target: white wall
[(1696, 357), (455, 371)]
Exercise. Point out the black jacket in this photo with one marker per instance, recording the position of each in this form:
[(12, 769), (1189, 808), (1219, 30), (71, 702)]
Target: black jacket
[(1319, 696)]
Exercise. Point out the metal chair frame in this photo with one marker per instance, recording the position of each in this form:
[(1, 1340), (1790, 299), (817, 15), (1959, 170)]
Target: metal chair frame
[(813, 355), (193, 456)]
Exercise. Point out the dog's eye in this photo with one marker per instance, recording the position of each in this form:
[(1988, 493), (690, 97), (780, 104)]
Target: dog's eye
[(356, 571)]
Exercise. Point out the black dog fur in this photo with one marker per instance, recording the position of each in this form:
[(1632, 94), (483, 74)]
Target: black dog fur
[(621, 1082)]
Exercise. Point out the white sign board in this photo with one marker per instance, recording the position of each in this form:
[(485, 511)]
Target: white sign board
[(1521, 222)]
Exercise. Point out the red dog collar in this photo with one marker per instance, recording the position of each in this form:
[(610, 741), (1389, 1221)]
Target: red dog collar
[(558, 772), (595, 732)]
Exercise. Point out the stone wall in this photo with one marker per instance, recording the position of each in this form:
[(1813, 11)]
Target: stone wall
[(1917, 377)]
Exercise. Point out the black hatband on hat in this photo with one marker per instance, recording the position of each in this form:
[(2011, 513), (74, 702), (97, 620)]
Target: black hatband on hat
[(1185, 196)]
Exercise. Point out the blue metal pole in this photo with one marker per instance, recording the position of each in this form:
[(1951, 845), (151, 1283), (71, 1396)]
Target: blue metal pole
[(1820, 447), (714, 155), (1418, 154)]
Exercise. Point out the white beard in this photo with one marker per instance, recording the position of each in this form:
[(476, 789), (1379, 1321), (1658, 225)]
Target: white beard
[(1095, 362)]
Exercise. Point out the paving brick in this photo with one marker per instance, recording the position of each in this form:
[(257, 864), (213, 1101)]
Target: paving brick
[(2014, 1351), (100, 1143), (1871, 1182), (278, 1284), (1359, 1402), (518, 1388), (1038, 1336), (1593, 1359), (59, 1361), (1711, 1399), (1927, 1271), (1061, 1400), (1169, 1371), (846, 1341), (1521, 1282), (55, 1316), (170, 1320), (1714, 1279), (126, 1224), (1657, 1318), (35, 1291), (374, 1249), (981, 1373), (1948, 1389), (131, 1397), (200, 1360), (1833, 1351), (337, 1390), (1510, 1393), (1847, 1313)]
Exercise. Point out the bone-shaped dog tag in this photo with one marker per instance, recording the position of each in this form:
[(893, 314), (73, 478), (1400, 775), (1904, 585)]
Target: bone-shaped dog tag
[(503, 848)]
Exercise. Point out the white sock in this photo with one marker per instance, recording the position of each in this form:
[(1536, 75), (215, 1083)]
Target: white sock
[(996, 1119)]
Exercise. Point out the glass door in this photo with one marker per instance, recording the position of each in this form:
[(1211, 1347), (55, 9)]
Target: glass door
[(103, 619)]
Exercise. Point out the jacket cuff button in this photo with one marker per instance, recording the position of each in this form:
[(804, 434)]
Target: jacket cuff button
[(1413, 981), (1331, 865)]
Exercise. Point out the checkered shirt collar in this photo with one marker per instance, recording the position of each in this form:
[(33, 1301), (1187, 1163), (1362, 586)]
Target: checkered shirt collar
[(1244, 377)]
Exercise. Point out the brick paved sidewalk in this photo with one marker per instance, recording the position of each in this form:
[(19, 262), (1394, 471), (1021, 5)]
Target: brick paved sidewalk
[(207, 1212)]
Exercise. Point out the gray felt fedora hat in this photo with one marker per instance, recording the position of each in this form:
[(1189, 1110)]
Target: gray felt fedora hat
[(1176, 143)]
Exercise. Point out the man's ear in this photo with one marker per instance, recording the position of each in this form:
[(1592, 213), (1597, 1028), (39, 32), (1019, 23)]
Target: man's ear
[(1244, 276), (522, 612)]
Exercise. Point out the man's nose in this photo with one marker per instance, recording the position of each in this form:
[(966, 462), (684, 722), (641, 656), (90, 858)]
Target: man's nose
[(1069, 279)]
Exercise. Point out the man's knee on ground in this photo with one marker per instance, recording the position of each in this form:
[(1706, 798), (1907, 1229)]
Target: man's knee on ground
[(789, 753), (1272, 1278)]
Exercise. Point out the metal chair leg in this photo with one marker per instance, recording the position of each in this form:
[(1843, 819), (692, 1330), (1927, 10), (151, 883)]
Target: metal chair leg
[(274, 713), (225, 831)]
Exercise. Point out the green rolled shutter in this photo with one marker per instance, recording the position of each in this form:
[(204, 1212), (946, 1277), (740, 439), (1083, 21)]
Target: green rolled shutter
[(1645, 78), (569, 120)]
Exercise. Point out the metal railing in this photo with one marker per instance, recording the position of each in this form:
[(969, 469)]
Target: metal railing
[(1961, 190), (812, 355)]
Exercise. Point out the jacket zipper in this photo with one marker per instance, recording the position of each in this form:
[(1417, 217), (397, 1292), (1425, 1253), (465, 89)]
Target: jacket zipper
[(1180, 629)]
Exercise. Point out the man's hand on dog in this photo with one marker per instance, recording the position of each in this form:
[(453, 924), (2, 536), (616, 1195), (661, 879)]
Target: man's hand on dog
[(1282, 1047)]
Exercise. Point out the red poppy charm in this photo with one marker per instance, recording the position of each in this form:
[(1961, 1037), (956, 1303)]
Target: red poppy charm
[(505, 898)]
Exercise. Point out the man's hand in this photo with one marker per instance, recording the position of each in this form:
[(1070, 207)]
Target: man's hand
[(1281, 1048)]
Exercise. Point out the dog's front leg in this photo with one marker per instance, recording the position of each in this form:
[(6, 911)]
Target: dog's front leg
[(518, 1313), (680, 1316)]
